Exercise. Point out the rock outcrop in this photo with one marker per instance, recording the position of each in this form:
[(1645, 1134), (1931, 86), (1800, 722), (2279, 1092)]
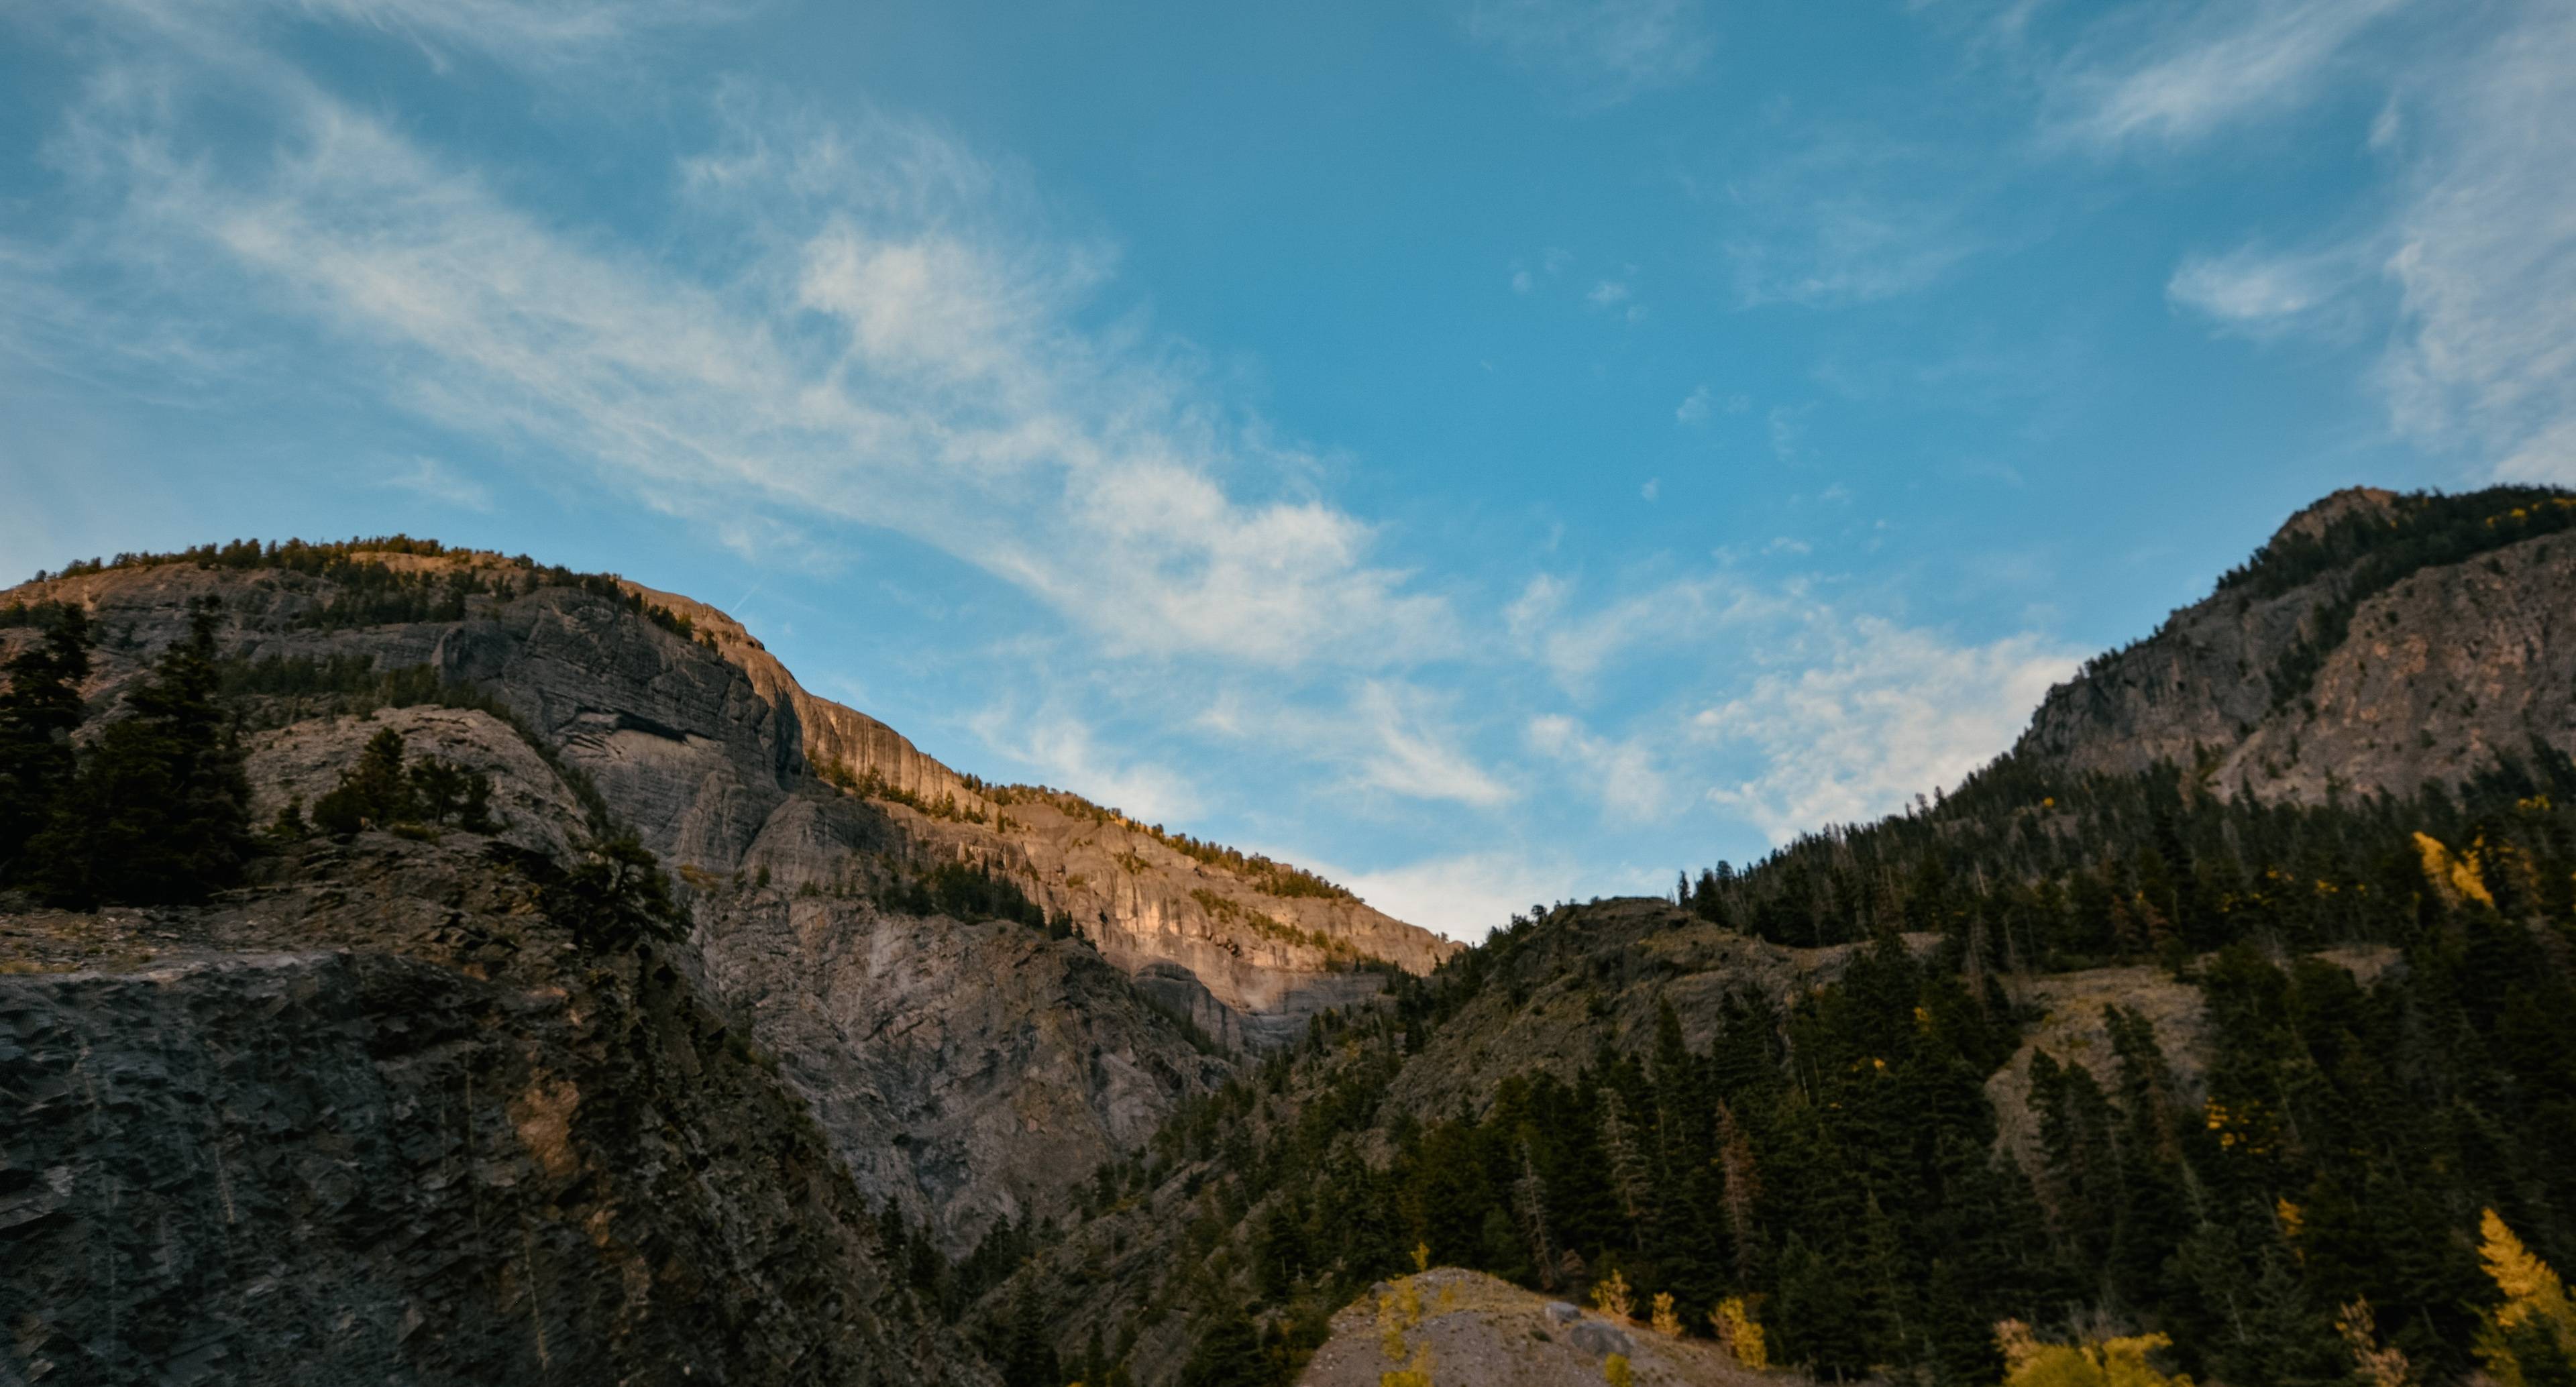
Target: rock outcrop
[(969, 1071), (377, 1119), (2343, 680), (1465, 1326)]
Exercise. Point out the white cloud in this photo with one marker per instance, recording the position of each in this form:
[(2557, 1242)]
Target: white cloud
[(1653, 488), (2479, 249), (1599, 51), (2257, 292), (1067, 753), (1694, 407), (1848, 216), (2225, 60), (1872, 714), (1411, 751), (892, 353), (1788, 430), (432, 480), (1622, 774), (1470, 895), (2485, 257), (1607, 293), (520, 33)]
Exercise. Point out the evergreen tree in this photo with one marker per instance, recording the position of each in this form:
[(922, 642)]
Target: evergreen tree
[(39, 711), (159, 810), (373, 794)]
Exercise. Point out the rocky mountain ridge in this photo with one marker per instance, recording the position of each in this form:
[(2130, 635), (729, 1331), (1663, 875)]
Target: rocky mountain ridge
[(968, 1070), (2377, 642)]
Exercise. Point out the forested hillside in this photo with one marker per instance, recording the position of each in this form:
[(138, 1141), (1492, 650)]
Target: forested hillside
[(2098, 1067), (2325, 1130)]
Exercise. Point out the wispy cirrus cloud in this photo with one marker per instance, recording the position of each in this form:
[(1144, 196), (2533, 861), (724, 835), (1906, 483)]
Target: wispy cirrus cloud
[(2170, 76), (1849, 216), (517, 33), (2467, 259), (1598, 51), (2484, 256), (2262, 293), (432, 480), (1791, 708), (884, 351), (1467, 895)]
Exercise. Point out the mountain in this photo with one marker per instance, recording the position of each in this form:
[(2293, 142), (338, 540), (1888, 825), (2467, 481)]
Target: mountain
[(2377, 642), (922, 1007), (2131, 1040), (598, 1004)]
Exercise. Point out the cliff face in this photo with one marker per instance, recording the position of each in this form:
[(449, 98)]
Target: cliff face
[(706, 746), (2345, 677), (376, 1119), (969, 1071)]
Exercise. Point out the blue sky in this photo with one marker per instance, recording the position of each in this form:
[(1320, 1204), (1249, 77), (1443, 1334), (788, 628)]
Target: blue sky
[(1493, 450)]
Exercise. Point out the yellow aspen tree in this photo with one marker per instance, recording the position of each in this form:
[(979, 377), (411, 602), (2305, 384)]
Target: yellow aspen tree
[(2029, 1362), (1612, 1297), (2536, 1316), (1735, 1326), (1414, 1374), (1666, 1320)]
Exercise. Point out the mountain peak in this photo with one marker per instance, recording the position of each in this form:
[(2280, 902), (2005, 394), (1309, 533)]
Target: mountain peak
[(2313, 521)]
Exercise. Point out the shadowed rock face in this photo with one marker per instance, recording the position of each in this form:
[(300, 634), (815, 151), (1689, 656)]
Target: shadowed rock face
[(2431, 679), (433, 1144)]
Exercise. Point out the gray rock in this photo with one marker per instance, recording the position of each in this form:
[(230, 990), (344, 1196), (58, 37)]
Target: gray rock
[(969, 1071), (248, 1165), (2431, 680), (1600, 1340)]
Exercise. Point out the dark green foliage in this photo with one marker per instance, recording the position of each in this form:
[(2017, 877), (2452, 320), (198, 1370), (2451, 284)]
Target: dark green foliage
[(39, 710), (1232, 1355), (2420, 530), (1832, 1158), (970, 891), (1025, 1356), (158, 811), (613, 900), (380, 791)]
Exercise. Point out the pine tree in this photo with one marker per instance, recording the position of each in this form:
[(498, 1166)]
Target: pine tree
[(159, 812), (1529, 1210), (1629, 1183), (39, 710), (1743, 1186), (373, 794)]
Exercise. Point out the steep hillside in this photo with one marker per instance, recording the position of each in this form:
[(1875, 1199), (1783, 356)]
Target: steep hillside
[(378, 1116), (845, 886), (2377, 642), (2099, 1044)]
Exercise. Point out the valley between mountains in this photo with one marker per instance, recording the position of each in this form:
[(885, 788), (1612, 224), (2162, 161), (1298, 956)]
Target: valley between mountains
[(428, 966)]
